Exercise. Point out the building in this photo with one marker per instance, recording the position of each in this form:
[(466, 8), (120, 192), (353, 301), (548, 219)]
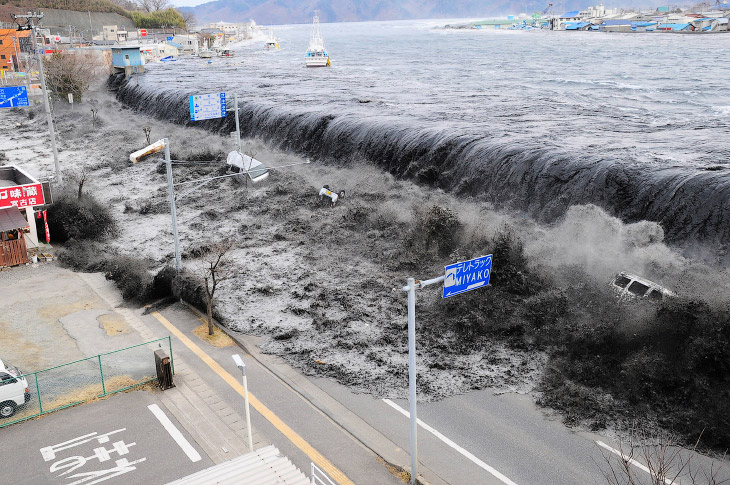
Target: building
[(189, 44), (12, 45), (127, 59), (155, 52), (20, 194)]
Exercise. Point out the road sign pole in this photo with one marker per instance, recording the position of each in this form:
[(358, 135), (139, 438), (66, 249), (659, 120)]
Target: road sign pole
[(411, 289), (412, 376), (238, 128), (171, 192)]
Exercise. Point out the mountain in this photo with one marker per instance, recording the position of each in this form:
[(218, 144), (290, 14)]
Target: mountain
[(300, 11)]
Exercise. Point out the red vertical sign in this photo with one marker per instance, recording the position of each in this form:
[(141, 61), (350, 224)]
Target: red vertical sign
[(45, 221)]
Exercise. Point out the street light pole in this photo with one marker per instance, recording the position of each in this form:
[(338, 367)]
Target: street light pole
[(242, 366), (31, 18)]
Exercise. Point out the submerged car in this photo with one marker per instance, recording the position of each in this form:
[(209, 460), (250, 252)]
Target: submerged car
[(14, 390), (631, 286)]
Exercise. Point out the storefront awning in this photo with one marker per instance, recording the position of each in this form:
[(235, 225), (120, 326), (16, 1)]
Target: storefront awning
[(11, 218)]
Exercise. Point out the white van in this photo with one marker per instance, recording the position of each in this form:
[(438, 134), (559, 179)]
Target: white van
[(247, 167), (14, 390), (631, 286)]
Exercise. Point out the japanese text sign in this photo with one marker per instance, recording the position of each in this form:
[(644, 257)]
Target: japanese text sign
[(207, 106), (21, 196), (467, 275)]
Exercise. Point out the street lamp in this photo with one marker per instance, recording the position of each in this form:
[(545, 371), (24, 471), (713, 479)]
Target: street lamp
[(240, 364)]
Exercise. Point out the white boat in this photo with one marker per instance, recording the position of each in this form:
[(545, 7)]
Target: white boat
[(271, 42), (317, 54), (206, 54)]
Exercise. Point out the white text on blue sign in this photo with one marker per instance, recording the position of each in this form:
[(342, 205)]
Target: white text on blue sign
[(467, 275)]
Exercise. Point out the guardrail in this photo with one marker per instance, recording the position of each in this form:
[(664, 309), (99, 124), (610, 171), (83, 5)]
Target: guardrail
[(66, 385)]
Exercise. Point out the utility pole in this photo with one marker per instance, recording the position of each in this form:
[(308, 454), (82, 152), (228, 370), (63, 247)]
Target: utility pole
[(31, 19), (173, 211)]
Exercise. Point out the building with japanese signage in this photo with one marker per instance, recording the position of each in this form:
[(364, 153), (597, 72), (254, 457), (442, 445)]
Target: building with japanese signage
[(20, 195)]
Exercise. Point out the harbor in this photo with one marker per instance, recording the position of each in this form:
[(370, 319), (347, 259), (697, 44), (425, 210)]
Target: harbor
[(701, 19)]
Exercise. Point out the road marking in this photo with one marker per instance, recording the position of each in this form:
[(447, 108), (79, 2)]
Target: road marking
[(458, 448), (175, 433), (298, 441), (638, 465)]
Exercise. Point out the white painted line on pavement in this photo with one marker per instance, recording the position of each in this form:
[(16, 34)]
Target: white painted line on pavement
[(458, 448), (175, 433), (638, 465)]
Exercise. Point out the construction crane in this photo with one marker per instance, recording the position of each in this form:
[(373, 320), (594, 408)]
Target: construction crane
[(548, 13)]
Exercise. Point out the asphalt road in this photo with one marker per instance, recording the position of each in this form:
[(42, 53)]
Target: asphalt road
[(357, 462), (117, 440)]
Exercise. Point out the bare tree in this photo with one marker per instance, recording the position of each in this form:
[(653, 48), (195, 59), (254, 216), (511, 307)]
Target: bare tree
[(71, 73), (79, 177), (216, 270), (659, 456), (190, 20), (153, 5)]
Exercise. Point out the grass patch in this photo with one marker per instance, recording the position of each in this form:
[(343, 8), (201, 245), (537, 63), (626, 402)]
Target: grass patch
[(218, 339)]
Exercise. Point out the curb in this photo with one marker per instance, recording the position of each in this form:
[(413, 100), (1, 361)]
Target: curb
[(389, 458)]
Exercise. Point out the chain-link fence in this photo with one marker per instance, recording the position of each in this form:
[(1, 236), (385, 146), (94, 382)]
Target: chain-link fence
[(24, 396)]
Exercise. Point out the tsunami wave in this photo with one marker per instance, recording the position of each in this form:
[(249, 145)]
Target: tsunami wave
[(691, 204)]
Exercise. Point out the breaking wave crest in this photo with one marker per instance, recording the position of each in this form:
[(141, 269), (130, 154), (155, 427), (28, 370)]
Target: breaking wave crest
[(691, 204)]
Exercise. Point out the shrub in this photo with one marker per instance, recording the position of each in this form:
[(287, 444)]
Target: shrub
[(131, 275), (71, 217)]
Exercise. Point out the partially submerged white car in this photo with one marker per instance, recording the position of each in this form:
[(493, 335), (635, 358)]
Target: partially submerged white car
[(629, 285), (14, 390), (246, 166)]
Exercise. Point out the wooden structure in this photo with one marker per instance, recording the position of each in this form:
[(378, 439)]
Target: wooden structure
[(13, 250)]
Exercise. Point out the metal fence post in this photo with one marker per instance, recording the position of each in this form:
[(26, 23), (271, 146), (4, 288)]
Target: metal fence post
[(38, 393), (172, 362), (101, 372)]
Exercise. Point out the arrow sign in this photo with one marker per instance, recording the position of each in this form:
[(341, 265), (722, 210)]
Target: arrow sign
[(467, 276), (13, 96)]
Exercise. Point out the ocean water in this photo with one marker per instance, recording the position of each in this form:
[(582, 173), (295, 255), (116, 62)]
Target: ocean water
[(534, 120)]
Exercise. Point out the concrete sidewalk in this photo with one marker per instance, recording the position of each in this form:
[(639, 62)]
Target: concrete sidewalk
[(217, 428)]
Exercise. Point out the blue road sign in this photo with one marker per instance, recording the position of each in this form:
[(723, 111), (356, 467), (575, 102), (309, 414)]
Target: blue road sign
[(207, 106), (13, 96), (467, 276), (169, 37)]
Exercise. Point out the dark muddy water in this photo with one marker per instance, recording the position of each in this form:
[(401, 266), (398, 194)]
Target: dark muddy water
[(538, 121)]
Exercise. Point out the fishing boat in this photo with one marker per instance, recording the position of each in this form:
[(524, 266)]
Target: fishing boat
[(226, 53), (271, 42), (317, 54)]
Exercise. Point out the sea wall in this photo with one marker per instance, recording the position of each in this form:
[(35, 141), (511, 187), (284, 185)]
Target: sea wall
[(691, 204)]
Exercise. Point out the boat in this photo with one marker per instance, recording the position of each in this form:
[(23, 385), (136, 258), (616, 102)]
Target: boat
[(206, 54), (226, 53), (317, 54), (271, 42)]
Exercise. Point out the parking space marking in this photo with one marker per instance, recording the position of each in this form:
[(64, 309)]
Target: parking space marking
[(100, 454), (175, 433), (318, 459), (453, 445)]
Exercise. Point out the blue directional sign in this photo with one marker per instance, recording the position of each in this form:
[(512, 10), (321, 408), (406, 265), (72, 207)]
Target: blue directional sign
[(169, 37), (13, 96), (467, 276), (207, 106)]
